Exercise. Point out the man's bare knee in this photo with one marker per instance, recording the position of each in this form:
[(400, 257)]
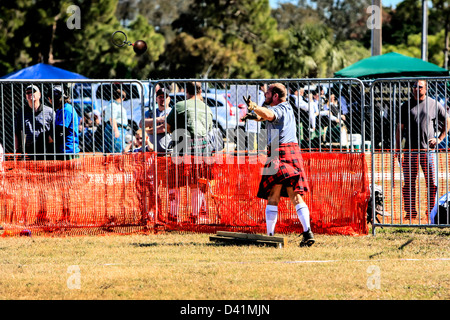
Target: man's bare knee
[(295, 197)]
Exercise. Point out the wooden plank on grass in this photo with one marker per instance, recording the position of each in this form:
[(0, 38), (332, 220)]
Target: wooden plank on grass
[(242, 241), (249, 238), (253, 236)]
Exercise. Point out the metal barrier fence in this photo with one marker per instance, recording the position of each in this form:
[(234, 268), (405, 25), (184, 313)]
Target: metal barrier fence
[(36, 133), (330, 112), (348, 116), (408, 172), (331, 120)]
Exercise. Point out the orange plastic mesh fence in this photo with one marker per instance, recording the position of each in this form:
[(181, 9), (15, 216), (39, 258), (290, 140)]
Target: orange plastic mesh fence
[(120, 194)]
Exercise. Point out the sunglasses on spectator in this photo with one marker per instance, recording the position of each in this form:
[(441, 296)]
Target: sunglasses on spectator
[(416, 86)]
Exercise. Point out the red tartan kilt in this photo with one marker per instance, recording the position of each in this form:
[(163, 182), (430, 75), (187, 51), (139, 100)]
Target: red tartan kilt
[(286, 169)]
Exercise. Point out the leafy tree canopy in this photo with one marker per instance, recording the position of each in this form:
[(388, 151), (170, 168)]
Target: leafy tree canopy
[(211, 38)]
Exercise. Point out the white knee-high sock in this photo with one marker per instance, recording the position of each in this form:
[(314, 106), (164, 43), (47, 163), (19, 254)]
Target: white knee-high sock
[(271, 219), (197, 198), (174, 201), (303, 215)]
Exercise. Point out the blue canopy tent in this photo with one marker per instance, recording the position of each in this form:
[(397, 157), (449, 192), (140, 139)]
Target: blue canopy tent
[(13, 97), (43, 71)]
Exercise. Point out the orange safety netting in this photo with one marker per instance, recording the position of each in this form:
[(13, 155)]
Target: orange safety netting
[(134, 193)]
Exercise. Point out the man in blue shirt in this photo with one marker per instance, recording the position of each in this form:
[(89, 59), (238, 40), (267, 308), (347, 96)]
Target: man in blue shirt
[(283, 174), (66, 126)]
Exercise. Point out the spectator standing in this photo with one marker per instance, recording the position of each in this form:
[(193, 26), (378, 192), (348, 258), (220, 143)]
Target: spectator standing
[(163, 140), (194, 118), (424, 123), (116, 123), (303, 113), (189, 122), (309, 111), (333, 117), (32, 126), (331, 110), (66, 126)]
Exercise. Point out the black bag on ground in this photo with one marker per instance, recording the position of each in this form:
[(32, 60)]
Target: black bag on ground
[(379, 204), (442, 216)]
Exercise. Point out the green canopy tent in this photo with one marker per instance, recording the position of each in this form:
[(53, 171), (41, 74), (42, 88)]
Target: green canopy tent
[(391, 65)]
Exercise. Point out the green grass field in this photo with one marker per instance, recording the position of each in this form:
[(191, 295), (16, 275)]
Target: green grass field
[(395, 264)]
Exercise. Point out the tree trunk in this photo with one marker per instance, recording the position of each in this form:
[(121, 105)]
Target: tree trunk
[(51, 60)]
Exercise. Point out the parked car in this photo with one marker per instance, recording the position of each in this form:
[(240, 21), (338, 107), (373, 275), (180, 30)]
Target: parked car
[(95, 96), (225, 115), (81, 94)]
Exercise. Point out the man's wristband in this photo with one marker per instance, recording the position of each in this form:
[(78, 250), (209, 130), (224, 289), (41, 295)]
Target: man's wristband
[(253, 107)]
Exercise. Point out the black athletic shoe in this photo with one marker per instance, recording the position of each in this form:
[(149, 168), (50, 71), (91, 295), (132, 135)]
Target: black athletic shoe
[(308, 239)]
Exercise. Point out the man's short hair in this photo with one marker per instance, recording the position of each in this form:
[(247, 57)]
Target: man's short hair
[(117, 93), (421, 80), (193, 88), (161, 92), (138, 133), (280, 89)]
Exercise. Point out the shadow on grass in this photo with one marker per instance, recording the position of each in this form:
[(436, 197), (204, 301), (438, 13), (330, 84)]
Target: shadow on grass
[(438, 231), (209, 244), (173, 244)]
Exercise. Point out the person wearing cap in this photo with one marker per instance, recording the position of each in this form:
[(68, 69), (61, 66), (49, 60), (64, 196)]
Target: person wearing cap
[(32, 126), (67, 120), (116, 123)]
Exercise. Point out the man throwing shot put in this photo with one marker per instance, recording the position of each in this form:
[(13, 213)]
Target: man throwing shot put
[(283, 174)]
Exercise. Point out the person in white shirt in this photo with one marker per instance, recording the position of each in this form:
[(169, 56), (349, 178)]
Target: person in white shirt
[(116, 123), (308, 109)]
